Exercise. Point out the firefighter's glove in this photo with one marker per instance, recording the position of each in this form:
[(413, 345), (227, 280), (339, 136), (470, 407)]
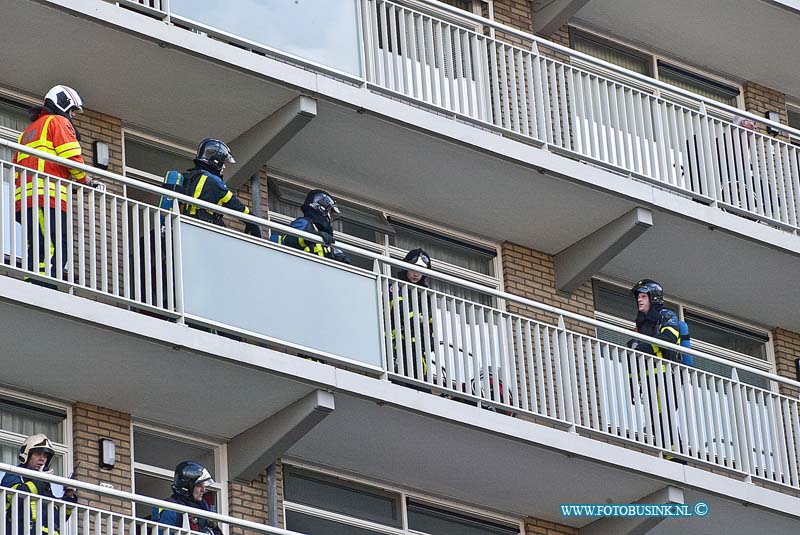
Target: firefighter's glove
[(252, 229), (327, 238), (339, 255)]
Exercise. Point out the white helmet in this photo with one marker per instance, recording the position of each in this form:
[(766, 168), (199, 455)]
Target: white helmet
[(36, 442), (64, 98)]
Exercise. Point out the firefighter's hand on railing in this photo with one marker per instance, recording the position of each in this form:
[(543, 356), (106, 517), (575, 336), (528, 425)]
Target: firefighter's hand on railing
[(96, 184), (252, 229)]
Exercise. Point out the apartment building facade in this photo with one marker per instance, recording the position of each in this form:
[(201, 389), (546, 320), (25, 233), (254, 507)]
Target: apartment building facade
[(547, 155)]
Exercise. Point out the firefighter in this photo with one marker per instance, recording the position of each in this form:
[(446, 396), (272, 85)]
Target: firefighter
[(52, 131), (416, 324), (36, 453), (189, 486), (204, 182), (654, 319), (319, 211)]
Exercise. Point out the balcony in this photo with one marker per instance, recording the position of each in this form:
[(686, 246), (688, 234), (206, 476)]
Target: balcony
[(427, 112), (508, 366), (33, 514)]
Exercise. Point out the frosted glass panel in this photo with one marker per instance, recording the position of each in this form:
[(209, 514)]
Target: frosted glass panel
[(322, 31)]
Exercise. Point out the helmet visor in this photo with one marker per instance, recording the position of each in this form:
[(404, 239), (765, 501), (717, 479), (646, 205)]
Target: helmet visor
[(230, 159), (205, 479)]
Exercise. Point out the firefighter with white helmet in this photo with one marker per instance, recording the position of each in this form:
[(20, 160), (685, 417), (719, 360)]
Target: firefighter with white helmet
[(36, 453)]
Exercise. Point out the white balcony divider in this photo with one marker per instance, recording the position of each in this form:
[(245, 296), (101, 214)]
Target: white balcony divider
[(77, 519), (111, 245), (472, 352)]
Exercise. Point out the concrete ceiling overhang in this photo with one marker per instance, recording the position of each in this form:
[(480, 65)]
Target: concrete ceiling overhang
[(748, 39)]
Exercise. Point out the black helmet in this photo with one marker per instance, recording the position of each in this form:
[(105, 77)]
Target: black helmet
[(651, 288), (214, 154), (36, 442), (418, 257), (187, 475), (321, 201)]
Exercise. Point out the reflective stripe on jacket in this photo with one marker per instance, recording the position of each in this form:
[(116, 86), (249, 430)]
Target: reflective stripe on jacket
[(54, 135)]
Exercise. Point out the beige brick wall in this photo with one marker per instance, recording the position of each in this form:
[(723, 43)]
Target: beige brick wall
[(759, 99), (250, 501), (90, 423), (787, 349), (534, 526), (529, 273)]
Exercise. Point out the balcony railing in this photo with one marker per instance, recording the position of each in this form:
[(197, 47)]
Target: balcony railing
[(558, 105), (556, 372), (34, 514)]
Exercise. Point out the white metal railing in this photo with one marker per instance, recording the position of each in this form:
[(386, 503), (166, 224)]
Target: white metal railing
[(34, 514), (519, 365), (582, 113), (566, 108), (111, 244), (509, 362)]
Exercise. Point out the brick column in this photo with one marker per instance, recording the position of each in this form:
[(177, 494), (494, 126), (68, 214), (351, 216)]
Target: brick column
[(250, 501), (787, 349), (90, 423), (534, 526), (759, 99), (531, 274)]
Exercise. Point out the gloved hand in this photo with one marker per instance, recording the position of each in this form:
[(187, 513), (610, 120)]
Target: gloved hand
[(339, 255), (252, 229), (327, 238), (70, 494), (633, 343)]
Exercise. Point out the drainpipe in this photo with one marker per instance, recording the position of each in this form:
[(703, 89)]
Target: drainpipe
[(272, 495)]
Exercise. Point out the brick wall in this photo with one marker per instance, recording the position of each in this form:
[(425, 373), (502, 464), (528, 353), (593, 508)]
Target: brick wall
[(759, 99), (787, 349), (514, 13), (250, 501), (534, 526), (531, 274), (90, 423)]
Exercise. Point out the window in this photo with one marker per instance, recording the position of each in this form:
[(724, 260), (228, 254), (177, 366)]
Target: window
[(395, 235), (719, 336), (20, 419), (148, 159), (793, 115), (156, 453), (651, 65), (615, 53), (328, 505), (13, 120)]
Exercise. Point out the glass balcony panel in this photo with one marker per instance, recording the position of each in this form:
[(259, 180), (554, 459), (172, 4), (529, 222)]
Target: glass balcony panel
[(320, 31), (287, 283)]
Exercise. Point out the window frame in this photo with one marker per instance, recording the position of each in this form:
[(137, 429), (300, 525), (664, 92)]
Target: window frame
[(767, 364), (793, 107), (653, 60), (403, 495), (220, 453), (155, 142), (63, 449), (493, 281)]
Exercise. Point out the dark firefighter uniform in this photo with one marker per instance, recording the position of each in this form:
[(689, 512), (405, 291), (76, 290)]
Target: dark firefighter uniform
[(416, 324), (174, 518), (206, 186), (661, 323), (33, 486)]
